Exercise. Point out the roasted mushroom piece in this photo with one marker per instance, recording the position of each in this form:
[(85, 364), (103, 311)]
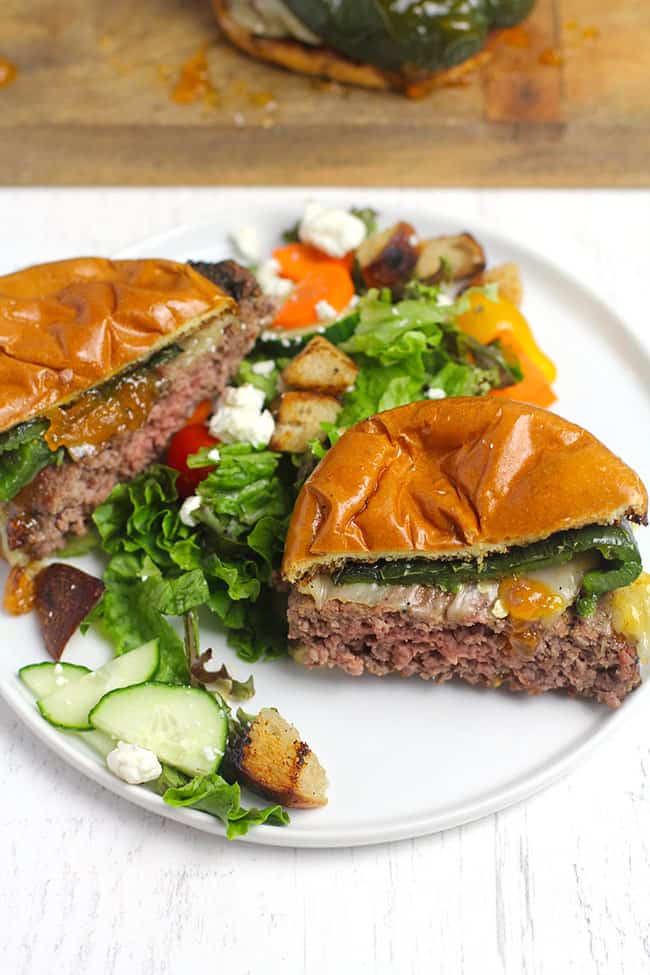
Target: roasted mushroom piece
[(388, 259), (269, 757), (449, 259)]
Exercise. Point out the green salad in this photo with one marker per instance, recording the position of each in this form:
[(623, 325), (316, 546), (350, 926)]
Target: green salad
[(160, 568)]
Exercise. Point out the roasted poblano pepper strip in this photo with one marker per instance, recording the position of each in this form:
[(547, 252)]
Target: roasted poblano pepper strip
[(394, 35), (620, 565)]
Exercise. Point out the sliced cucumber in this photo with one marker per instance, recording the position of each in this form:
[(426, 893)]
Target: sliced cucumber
[(97, 740), (184, 726), (68, 706), (43, 679)]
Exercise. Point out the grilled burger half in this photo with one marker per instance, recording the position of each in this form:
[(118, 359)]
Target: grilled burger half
[(100, 363), (471, 538)]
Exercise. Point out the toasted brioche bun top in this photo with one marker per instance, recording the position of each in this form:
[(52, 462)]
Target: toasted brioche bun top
[(455, 478), (69, 325)]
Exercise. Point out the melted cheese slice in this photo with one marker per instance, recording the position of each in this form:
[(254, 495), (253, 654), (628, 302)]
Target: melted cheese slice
[(631, 614), (537, 596)]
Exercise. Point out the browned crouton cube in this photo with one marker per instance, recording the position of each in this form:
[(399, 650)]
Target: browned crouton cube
[(507, 277), (272, 760), (299, 418), (320, 368)]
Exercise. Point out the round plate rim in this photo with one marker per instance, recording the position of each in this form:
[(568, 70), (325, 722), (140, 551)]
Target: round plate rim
[(332, 836)]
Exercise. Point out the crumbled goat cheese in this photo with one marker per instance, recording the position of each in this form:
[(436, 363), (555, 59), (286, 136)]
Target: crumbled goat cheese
[(214, 455), (498, 610), (247, 242), (434, 392), (444, 300), (133, 764), (263, 368), (325, 311), (211, 753), (270, 281), (241, 417), (189, 505), (334, 231), (82, 450)]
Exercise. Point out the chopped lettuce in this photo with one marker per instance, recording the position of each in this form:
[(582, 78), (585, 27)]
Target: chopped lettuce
[(213, 795), (161, 567)]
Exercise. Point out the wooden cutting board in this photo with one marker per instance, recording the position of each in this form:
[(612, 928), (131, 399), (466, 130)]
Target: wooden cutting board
[(564, 102)]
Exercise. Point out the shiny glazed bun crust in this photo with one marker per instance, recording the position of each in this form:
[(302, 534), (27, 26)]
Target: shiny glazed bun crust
[(69, 325), (322, 62), (455, 478)]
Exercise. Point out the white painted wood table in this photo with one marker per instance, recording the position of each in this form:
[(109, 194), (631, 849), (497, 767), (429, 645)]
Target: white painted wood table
[(560, 884)]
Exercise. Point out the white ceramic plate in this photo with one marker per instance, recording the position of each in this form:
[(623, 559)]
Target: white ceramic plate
[(405, 758)]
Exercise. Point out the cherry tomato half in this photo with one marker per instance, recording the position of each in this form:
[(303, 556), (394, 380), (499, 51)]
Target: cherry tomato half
[(189, 440)]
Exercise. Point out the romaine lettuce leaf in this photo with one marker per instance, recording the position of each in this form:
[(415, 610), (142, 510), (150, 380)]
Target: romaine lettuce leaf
[(213, 795)]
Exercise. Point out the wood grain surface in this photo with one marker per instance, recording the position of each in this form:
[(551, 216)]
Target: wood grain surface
[(564, 102)]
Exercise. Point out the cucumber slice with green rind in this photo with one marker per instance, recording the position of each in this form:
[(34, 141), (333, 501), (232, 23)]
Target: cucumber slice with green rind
[(185, 726), (68, 706), (45, 678)]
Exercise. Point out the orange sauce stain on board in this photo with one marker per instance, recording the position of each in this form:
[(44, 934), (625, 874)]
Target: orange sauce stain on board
[(100, 414), (527, 600), (20, 591), (550, 57), (516, 37), (194, 82), (8, 72)]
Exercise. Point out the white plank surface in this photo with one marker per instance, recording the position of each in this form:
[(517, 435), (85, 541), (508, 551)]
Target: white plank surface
[(560, 884)]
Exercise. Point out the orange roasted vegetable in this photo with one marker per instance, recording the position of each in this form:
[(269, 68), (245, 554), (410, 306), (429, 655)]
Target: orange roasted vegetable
[(487, 320), (330, 282), (298, 260)]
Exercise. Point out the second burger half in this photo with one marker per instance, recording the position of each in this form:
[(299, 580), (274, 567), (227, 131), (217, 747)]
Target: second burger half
[(485, 540)]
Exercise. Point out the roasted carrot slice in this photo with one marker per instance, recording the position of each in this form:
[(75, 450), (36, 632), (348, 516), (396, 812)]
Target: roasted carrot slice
[(298, 260), (331, 283)]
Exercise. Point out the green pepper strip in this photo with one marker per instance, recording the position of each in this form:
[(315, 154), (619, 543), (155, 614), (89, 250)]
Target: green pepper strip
[(615, 544)]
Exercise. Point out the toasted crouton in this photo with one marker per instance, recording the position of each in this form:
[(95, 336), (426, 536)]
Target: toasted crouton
[(449, 258), (271, 759), (507, 277), (387, 259), (320, 368), (299, 418)]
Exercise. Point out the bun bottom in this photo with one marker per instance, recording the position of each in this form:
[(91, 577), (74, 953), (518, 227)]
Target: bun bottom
[(321, 62)]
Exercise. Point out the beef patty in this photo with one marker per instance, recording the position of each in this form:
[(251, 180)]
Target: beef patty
[(59, 501), (447, 636)]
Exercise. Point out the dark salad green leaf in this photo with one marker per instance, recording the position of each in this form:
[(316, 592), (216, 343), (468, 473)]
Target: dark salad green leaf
[(615, 549), (409, 34)]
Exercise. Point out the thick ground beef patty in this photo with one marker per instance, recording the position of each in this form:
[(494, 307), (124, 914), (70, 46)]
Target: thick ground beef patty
[(583, 656), (59, 501)]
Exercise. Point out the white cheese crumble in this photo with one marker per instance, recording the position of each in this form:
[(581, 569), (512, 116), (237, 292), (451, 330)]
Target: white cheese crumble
[(434, 392), (133, 764), (188, 507), (82, 450), (247, 242), (334, 231), (270, 281), (325, 312), (241, 417), (214, 455), (263, 368)]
